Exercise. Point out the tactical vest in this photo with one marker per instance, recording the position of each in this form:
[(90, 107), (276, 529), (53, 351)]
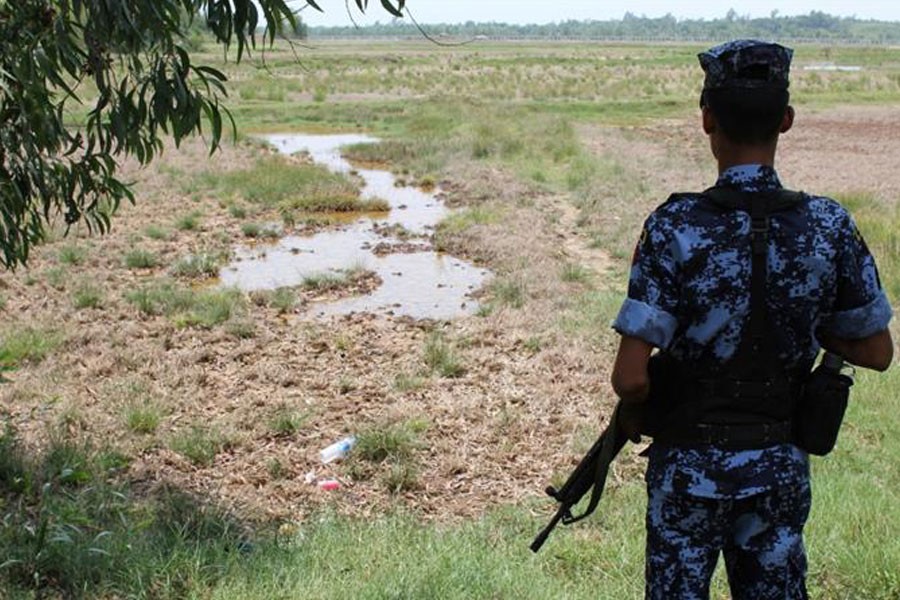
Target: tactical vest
[(749, 402)]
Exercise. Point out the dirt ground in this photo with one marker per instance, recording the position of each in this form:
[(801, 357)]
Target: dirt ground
[(530, 399)]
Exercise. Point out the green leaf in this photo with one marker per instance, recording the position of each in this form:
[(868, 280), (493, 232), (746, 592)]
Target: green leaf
[(397, 11)]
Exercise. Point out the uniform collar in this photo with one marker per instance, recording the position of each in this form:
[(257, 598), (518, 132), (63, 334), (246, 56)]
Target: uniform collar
[(750, 178)]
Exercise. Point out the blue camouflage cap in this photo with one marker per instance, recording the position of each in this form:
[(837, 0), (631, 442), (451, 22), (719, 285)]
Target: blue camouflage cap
[(746, 64)]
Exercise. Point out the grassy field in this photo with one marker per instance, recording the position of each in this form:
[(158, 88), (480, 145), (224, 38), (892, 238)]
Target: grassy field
[(553, 155)]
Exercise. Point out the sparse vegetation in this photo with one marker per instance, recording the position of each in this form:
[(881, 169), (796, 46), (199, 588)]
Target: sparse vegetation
[(138, 258), (205, 264), (575, 273), (188, 222), (72, 255), (155, 232), (388, 449), (143, 417), (87, 295), (509, 292), (26, 344), (286, 421), (513, 132), (283, 299), (187, 307), (56, 277), (441, 357), (200, 445), (257, 230), (237, 211), (278, 182)]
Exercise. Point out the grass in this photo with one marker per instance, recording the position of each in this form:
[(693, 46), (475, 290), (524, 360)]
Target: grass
[(143, 417), (326, 281), (188, 222), (283, 299), (155, 232), (237, 211), (441, 357), (286, 421), (139, 258), (280, 183), (200, 445), (78, 534), (26, 345), (405, 382), (512, 109), (257, 230), (72, 255), (56, 277), (87, 295), (879, 222), (509, 292), (575, 273), (188, 307), (197, 266), (388, 449)]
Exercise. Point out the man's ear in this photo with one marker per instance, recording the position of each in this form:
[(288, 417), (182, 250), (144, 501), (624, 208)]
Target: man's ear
[(788, 120), (709, 121)]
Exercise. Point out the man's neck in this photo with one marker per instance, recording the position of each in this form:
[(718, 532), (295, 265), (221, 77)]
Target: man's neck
[(731, 155)]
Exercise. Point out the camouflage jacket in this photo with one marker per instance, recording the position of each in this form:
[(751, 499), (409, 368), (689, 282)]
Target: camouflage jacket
[(689, 294)]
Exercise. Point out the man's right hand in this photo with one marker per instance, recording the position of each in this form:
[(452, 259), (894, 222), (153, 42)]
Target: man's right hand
[(631, 419)]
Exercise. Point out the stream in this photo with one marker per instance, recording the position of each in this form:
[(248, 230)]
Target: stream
[(417, 282)]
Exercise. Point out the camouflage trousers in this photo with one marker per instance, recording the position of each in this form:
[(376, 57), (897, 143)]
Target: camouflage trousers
[(761, 538)]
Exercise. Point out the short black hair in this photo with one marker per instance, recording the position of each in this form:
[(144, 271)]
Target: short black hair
[(748, 115)]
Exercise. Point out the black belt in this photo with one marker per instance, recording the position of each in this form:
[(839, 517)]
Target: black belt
[(754, 435)]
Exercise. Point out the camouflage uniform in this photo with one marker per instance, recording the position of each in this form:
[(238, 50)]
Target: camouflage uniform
[(689, 295)]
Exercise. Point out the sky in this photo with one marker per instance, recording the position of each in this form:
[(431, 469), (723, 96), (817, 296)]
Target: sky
[(545, 11)]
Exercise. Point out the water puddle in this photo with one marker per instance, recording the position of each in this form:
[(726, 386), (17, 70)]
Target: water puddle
[(417, 282)]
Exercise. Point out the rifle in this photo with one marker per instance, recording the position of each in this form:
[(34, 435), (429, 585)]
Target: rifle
[(590, 473)]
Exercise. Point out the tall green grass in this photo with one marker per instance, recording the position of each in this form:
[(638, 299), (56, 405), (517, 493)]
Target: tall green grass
[(277, 182), (68, 530)]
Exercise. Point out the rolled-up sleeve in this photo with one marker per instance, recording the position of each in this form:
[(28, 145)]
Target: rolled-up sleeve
[(640, 320), (649, 311), (861, 307)]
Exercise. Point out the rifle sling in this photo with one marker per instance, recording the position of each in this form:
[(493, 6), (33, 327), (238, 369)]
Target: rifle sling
[(613, 441)]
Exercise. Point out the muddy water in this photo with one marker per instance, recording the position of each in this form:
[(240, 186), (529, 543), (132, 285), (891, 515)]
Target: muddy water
[(420, 282)]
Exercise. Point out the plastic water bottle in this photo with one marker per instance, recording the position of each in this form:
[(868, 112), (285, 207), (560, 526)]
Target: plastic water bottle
[(337, 450)]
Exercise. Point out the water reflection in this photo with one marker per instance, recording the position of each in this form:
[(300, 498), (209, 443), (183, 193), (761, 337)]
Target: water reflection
[(419, 282)]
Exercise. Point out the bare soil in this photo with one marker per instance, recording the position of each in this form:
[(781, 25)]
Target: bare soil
[(530, 399)]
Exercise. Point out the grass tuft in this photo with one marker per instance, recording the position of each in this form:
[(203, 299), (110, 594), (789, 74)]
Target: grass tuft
[(143, 417), (197, 266), (155, 232), (138, 258), (26, 345), (87, 295), (200, 445), (442, 358), (286, 421), (72, 255), (188, 222)]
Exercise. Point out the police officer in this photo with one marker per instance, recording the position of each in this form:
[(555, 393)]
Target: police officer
[(724, 474)]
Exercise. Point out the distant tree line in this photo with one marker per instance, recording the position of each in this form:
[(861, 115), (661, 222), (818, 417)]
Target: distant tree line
[(817, 26)]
